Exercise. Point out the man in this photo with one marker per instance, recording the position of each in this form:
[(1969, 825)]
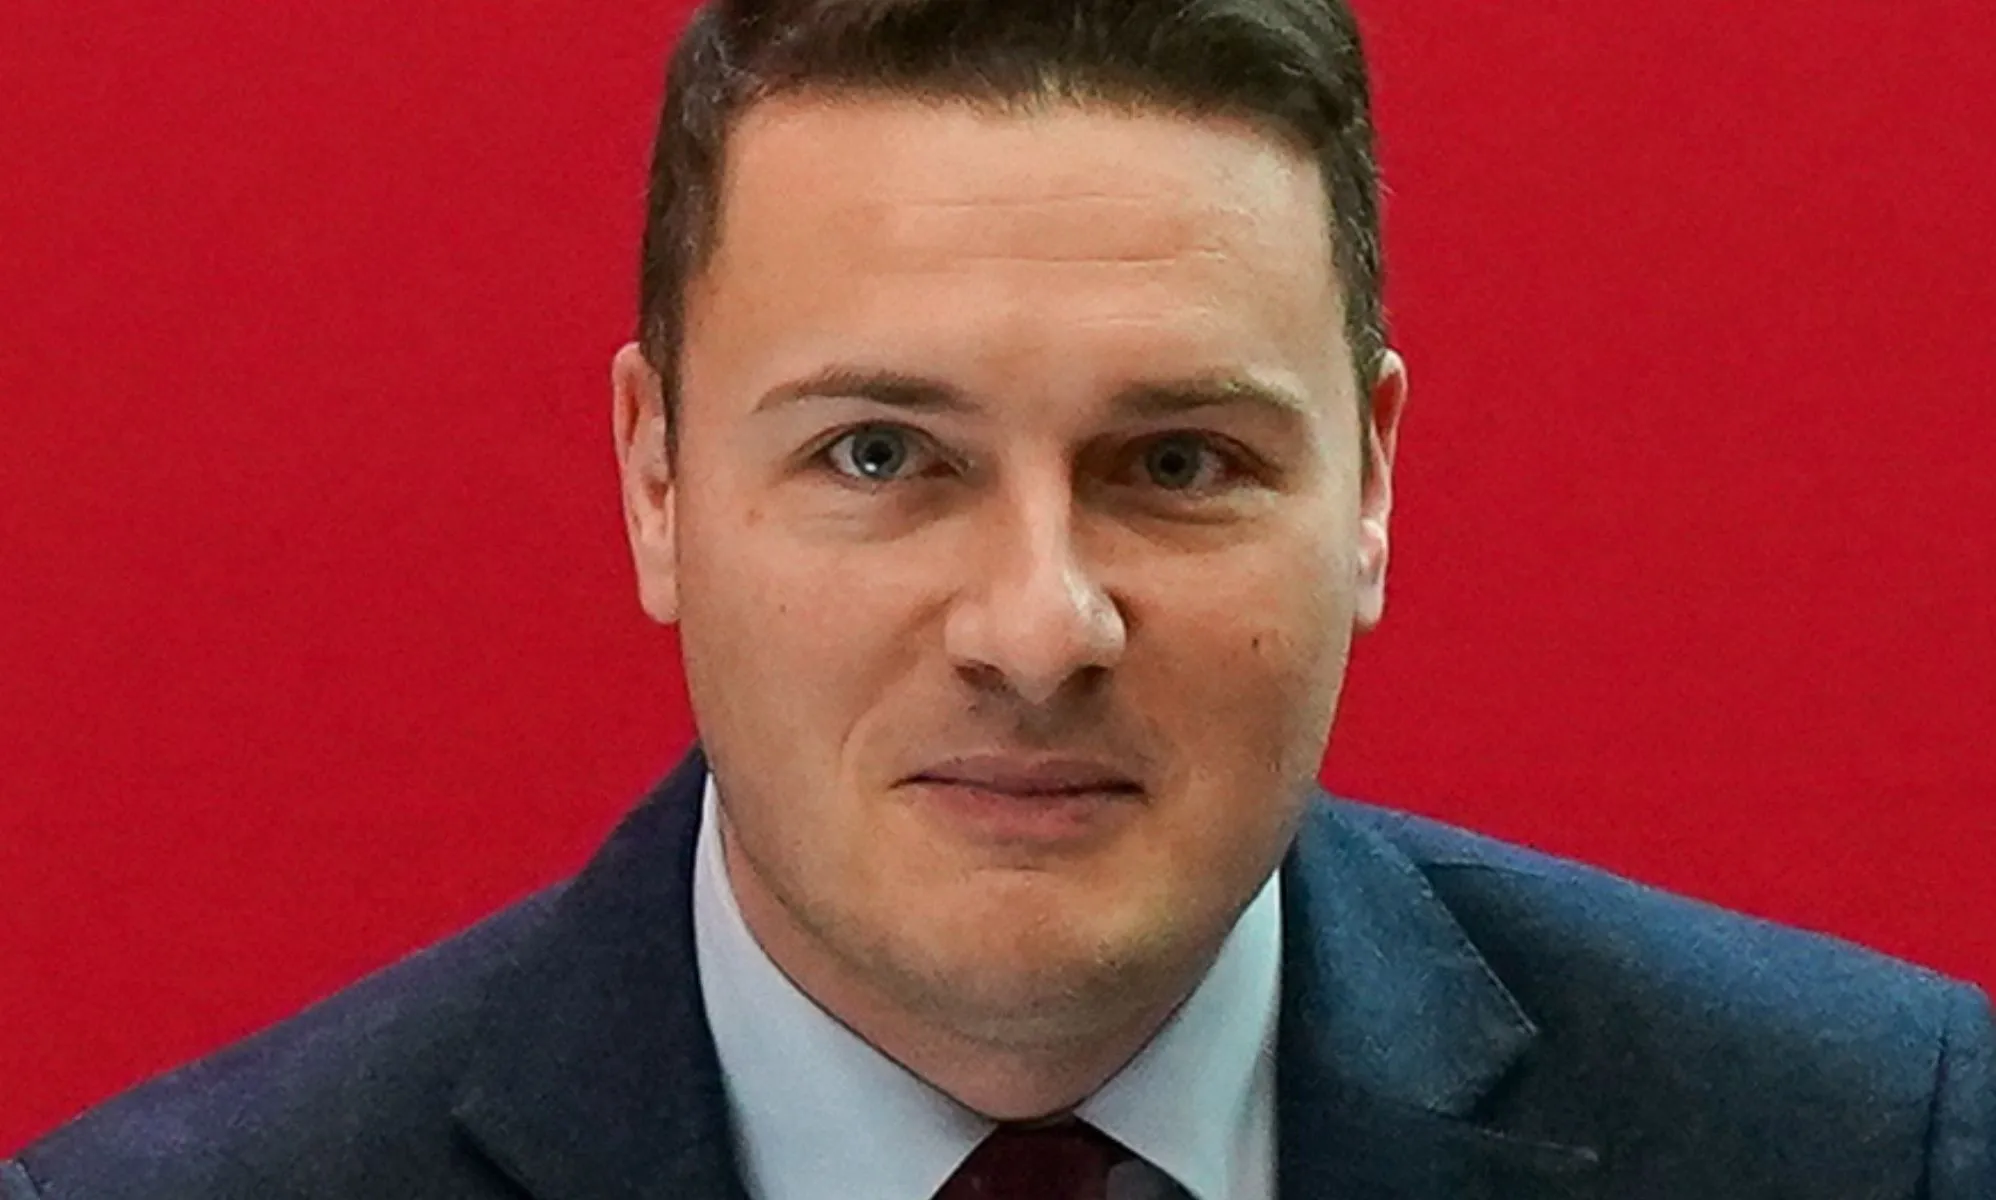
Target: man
[(1011, 434)]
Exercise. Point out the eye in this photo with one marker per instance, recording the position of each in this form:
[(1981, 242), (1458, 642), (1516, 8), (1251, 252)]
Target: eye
[(879, 453), (1183, 462)]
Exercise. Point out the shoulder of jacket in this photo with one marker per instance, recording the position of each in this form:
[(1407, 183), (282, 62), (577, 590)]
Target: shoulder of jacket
[(370, 1065), (1689, 966)]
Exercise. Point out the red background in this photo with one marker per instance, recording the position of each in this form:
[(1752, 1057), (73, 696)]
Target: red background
[(316, 634)]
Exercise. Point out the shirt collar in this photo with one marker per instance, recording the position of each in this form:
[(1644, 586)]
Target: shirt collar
[(1198, 1102), (818, 1111)]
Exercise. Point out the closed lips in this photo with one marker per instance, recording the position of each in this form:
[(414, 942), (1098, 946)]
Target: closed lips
[(1034, 780)]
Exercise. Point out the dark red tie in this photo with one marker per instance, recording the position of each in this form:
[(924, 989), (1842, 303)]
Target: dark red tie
[(1068, 1160)]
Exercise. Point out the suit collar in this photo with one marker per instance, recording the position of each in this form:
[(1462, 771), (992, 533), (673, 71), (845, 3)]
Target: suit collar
[(598, 1076), (1394, 1030)]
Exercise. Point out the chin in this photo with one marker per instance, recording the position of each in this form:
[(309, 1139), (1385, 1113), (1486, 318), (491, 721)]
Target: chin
[(1025, 945), (1027, 1001)]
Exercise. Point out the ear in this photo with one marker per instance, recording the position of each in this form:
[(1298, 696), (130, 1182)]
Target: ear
[(638, 420), (1375, 508)]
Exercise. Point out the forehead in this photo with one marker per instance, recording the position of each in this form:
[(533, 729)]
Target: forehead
[(868, 160), (964, 221)]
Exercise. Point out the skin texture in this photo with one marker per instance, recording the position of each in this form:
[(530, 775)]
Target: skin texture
[(1124, 520)]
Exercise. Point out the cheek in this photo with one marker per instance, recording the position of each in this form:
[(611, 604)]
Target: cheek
[(1271, 614), (790, 642), (1257, 665)]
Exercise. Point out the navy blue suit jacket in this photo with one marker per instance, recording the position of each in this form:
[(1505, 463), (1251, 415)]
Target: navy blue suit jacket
[(1460, 1019)]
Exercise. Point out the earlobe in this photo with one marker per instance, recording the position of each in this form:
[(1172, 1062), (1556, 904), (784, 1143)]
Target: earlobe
[(1388, 404), (645, 472)]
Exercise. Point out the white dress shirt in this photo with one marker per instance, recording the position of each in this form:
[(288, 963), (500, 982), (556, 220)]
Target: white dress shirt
[(819, 1114)]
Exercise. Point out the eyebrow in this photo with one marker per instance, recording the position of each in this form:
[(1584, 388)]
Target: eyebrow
[(895, 389), (1150, 398)]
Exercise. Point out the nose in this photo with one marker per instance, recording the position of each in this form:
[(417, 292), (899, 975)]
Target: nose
[(1033, 614)]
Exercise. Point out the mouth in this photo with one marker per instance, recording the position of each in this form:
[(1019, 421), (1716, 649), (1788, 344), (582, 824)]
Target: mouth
[(1016, 799)]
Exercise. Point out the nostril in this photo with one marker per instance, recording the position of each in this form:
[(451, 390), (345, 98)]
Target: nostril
[(983, 677)]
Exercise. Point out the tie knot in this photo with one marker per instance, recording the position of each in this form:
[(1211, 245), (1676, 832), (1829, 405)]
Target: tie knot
[(1067, 1160)]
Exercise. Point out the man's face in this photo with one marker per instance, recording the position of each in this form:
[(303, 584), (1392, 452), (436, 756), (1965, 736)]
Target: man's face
[(1017, 536)]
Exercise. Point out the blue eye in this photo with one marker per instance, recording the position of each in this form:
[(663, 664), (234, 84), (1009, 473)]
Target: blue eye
[(1182, 463), (875, 453)]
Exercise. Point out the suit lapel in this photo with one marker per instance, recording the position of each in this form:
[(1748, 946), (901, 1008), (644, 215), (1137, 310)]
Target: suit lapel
[(597, 1078), (1393, 1030)]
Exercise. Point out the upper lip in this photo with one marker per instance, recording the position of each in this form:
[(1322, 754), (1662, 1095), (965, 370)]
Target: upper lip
[(1029, 775)]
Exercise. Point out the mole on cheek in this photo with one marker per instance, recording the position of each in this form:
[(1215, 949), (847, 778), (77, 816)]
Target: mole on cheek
[(1269, 647)]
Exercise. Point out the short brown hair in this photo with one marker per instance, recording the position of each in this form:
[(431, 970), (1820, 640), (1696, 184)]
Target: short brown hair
[(1294, 67)]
